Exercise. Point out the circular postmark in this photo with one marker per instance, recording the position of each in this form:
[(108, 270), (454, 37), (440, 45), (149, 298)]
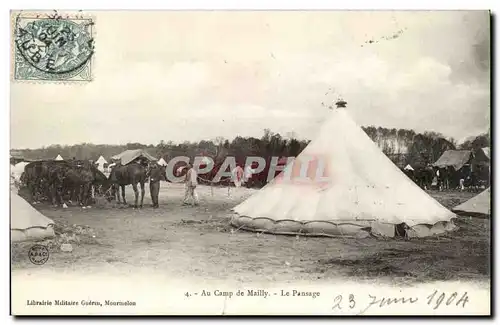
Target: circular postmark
[(56, 48), (38, 254)]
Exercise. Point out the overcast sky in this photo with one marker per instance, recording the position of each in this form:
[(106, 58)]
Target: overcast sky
[(198, 75)]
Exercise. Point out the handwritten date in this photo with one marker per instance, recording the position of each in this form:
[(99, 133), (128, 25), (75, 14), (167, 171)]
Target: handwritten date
[(435, 300), (337, 303)]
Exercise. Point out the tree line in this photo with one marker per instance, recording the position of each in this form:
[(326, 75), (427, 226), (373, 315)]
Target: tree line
[(400, 145)]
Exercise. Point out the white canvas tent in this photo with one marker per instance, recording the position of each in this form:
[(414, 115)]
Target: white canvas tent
[(26, 223), (59, 157), (487, 152), (365, 193), (130, 155), (408, 167), (17, 170), (162, 162), (100, 163), (478, 206)]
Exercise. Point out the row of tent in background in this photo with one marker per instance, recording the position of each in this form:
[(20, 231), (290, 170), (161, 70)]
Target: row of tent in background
[(358, 203), (18, 163), (103, 165), (454, 165)]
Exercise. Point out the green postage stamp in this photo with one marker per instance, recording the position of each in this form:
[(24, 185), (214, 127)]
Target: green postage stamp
[(52, 47)]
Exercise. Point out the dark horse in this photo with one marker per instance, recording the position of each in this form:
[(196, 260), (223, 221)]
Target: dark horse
[(424, 176), (81, 178), (56, 179), (43, 178), (130, 174)]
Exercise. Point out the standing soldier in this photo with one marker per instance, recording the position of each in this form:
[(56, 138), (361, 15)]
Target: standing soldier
[(191, 183), (237, 175), (154, 183), (247, 177)]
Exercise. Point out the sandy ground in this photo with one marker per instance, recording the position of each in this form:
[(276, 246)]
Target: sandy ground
[(197, 242)]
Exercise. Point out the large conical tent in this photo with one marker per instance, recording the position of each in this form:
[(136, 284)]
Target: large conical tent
[(363, 192), (59, 157), (26, 223), (478, 206)]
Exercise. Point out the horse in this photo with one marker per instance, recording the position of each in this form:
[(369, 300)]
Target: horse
[(423, 177), (79, 180), (100, 181), (44, 178), (130, 174)]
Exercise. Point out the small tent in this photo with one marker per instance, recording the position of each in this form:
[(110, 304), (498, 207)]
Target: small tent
[(454, 158), (100, 163), (408, 167), (130, 155), (478, 206), (359, 192), (17, 170), (26, 223), (487, 153), (59, 157), (162, 162)]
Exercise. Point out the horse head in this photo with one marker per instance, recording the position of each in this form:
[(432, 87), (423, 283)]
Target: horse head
[(113, 175)]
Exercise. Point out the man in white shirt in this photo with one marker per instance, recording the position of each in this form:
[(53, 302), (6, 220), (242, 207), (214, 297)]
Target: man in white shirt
[(248, 175), (238, 176), (191, 181)]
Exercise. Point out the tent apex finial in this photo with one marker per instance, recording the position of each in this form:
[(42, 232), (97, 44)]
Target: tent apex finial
[(340, 103)]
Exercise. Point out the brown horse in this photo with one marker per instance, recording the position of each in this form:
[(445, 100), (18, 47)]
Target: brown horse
[(130, 174), (55, 179), (43, 178), (79, 180)]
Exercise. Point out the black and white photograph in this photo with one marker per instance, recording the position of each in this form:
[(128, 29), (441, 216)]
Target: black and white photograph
[(250, 162)]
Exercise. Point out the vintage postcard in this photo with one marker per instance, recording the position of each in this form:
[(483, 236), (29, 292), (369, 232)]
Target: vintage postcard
[(250, 163)]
